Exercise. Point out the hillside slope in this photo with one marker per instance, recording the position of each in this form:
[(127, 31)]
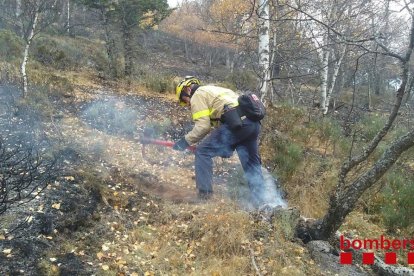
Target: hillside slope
[(117, 210)]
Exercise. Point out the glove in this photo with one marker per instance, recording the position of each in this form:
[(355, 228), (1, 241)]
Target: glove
[(181, 145)]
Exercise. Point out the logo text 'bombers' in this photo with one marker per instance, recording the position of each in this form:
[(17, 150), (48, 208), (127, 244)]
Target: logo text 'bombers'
[(381, 243)]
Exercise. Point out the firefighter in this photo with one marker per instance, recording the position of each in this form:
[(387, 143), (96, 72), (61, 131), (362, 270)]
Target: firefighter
[(219, 129)]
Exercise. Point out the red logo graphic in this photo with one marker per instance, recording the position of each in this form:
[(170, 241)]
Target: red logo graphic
[(368, 258)]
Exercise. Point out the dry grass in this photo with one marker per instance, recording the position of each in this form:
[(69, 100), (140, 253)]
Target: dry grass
[(312, 180), (215, 239), (9, 71)]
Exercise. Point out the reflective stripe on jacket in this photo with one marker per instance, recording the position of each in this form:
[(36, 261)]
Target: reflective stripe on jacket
[(207, 106)]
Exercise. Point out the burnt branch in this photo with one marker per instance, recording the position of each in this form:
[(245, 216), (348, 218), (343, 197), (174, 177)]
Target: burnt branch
[(24, 173)]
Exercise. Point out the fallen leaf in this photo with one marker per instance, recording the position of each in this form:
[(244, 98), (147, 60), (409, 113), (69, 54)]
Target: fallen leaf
[(56, 205), (7, 251), (99, 255), (105, 267)]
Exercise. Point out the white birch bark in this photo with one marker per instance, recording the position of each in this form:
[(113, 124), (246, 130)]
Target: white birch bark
[(333, 81), (325, 52), (18, 13), (26, 53), (324, 73), (68, 18), (264, 48), (18, 8)]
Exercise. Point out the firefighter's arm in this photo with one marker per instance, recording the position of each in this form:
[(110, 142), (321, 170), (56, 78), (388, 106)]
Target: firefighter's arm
[(201, 117)]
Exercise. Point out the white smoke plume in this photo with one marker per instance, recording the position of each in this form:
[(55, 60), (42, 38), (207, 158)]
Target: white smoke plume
[(272, 194)]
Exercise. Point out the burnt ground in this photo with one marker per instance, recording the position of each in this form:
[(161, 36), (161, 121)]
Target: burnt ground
[(85, 221), (99, 141)]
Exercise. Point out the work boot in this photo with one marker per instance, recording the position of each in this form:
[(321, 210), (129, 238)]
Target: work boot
[(205, 195)]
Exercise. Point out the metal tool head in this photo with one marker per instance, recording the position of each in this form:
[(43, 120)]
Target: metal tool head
[(147, 134)]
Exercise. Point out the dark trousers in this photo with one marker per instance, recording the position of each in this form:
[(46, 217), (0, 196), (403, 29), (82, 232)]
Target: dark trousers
[(222, 142)]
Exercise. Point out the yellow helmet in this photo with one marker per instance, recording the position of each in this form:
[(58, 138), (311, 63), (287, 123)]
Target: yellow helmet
[(187, 81)]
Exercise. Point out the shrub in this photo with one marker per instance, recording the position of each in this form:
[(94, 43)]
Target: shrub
[(158, 83), (328, 129), (48, 52), (286, 118), (242, 80), (329, 133), (370, 125), (67, 53), (11, 46), (398, 208), (10, 71), (39, 101), (287, 158)]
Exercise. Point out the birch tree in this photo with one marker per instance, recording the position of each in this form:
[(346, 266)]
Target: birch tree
[(330, 50), (68, 26), (18, 14), (349, 189), (28, 41), (264, 47), (38, 14)]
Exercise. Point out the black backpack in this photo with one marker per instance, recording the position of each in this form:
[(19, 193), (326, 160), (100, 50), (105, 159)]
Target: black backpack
[(252, 107)]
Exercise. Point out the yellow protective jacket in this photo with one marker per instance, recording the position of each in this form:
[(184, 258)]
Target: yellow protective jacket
[(207, 106)]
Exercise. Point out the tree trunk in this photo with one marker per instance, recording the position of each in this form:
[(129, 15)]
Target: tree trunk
[(18, 14), (274, 69), (228, 59), (333, 81), (341, 204), (324, 75), (187, 50), (109, 45), (26, 53), (264, 48), (128, 51), (410, 89), (68, 18)]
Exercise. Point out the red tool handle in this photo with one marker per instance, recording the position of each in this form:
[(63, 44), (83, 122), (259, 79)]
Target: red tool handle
[(163, 143)]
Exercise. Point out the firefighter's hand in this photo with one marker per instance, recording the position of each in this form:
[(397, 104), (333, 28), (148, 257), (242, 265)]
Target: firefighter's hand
[(181, 145)]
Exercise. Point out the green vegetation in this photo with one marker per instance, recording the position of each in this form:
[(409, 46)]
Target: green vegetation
[(329, 135), (38, 99), (157, 82), (65, 53), (11, 46), (398, 201), (287, 158), (370, 125), (241, 80)]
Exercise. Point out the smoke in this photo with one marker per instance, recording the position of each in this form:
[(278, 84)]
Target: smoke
[(20, 126), (269, 194), (120, 117), (272, 193), (111, 116)]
